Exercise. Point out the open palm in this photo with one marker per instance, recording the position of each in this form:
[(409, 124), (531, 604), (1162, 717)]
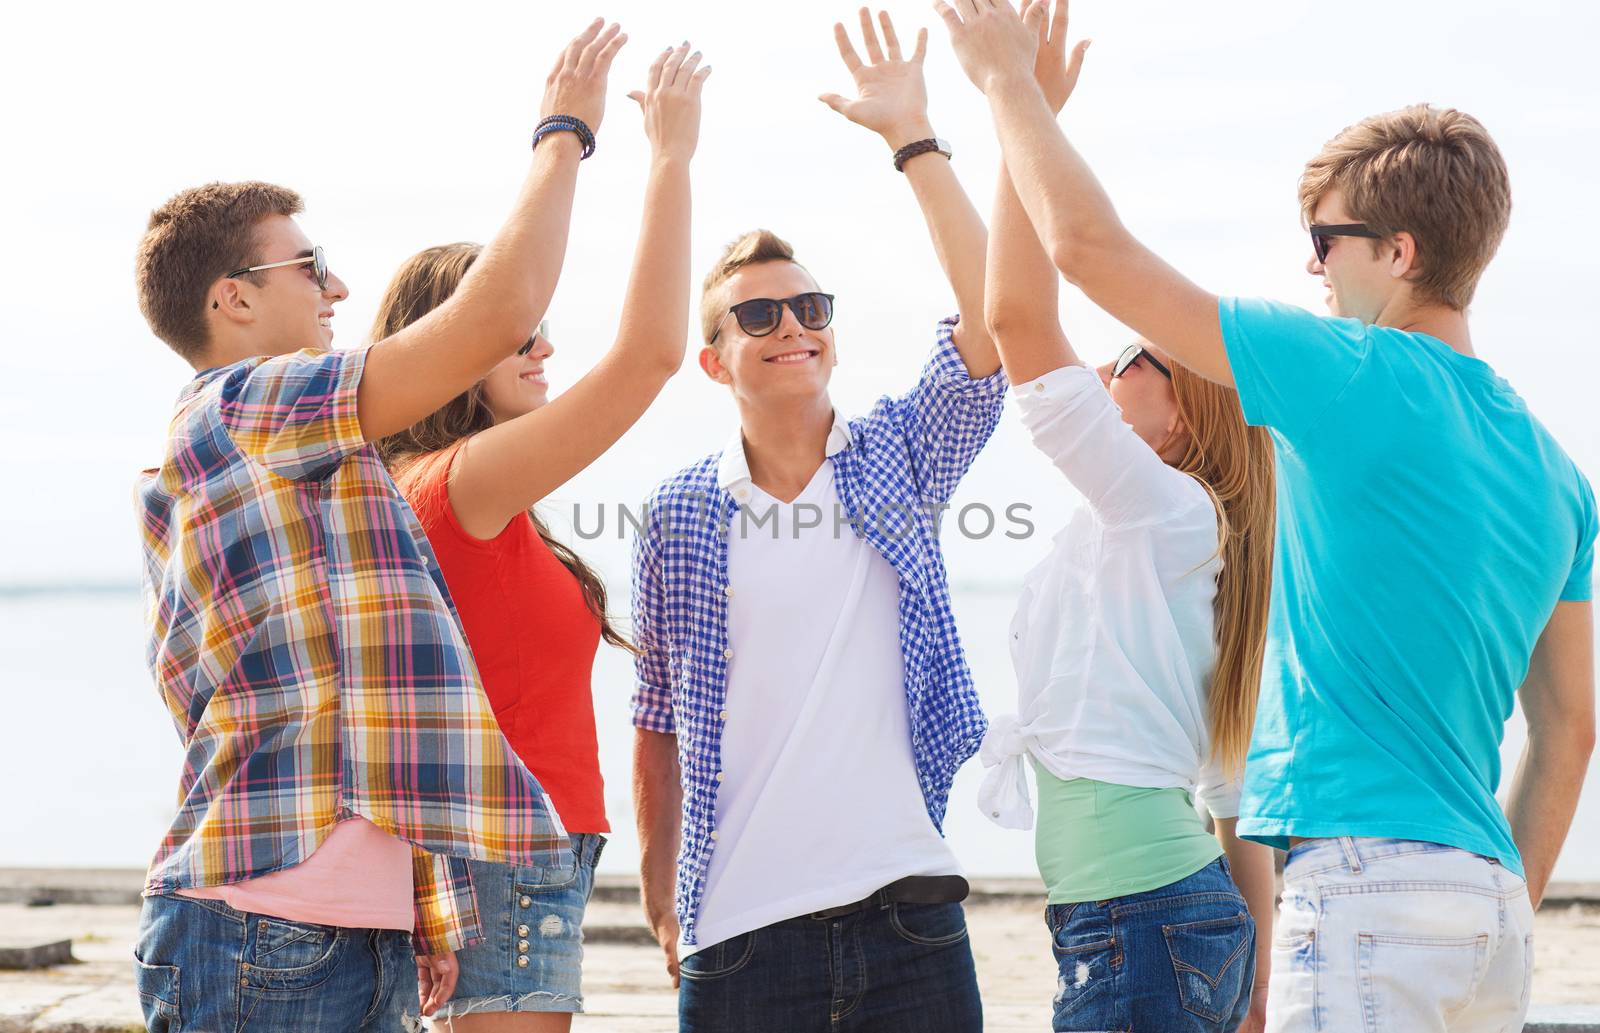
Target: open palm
[(892, 97)]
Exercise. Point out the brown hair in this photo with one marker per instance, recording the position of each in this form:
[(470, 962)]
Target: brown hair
[(1432, 172), (421, 285), (196, 238), (749, 249), (1233, 461)]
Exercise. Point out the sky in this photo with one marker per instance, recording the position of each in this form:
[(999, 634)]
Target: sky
[(405, 125)]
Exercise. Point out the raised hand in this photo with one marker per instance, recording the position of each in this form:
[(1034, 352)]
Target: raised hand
[(993, 43), (1054, 71), (671, 102), (577, 83), (892, 97)]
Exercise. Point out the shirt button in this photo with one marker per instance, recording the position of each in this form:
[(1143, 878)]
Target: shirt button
[(741, 494), (994, 814), (526, 901), (719, 776), (727, 654), (728, 591), (722, 715), (1038, 389), (522, 961), (713, 835)]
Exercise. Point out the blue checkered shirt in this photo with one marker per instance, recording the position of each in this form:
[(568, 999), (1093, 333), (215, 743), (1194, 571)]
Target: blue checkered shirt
[(903, 462)]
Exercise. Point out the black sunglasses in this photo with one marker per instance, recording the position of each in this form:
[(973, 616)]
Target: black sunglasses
[(319, 267), (1131, 354), (758, 317), (542, 331), (1322, 236)]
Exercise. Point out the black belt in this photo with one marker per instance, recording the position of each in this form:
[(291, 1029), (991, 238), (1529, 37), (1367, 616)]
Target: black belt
[(913, 889)]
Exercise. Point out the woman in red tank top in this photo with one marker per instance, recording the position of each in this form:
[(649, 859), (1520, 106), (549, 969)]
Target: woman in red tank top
[(532, 611)]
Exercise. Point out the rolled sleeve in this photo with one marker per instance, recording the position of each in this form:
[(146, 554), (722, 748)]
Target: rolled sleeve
[(446, 905), (652, 694), (948, 416), (296, 415), (1218, 793)]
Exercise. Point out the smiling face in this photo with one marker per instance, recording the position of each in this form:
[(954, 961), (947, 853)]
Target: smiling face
[(1148, 402), (1362, 276), (517, 384), (284, 310), (789, 364)]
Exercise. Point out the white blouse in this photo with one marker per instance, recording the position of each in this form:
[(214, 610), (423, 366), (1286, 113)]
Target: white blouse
[(1113, 641)]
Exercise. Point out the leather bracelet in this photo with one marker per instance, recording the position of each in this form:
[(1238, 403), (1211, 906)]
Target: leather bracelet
[(911, 150), (565, 124)]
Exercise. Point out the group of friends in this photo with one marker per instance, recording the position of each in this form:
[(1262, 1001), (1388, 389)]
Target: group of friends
[(1316, 560)]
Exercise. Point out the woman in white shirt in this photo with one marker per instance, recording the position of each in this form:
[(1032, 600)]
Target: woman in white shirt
[(1137, 645)]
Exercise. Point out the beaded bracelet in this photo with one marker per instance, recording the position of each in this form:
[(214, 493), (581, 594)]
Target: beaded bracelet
[(565, 124)]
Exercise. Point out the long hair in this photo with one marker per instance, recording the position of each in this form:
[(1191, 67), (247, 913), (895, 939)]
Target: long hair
[(1234, 463), (421, 285)]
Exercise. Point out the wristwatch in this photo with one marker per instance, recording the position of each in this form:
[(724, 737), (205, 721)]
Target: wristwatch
[(911, 150)]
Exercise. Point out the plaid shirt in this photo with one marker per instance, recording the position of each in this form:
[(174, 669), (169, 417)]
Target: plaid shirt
[(901, 464), (303, 639)]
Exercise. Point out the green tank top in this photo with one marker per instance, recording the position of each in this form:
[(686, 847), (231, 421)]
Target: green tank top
[(1096, 840)]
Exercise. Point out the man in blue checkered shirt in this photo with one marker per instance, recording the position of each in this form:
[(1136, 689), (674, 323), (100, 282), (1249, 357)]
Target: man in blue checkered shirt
[(803, 702)]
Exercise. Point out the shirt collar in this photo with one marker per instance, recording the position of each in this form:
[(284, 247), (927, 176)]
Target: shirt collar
[(733, 469)]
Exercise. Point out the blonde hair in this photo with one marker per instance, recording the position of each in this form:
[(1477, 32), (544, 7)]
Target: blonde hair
[(1233, 461), (751, 248), (1431, 172), (421, 285)]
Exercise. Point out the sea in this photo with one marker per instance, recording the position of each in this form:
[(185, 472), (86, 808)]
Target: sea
[(89, 756)]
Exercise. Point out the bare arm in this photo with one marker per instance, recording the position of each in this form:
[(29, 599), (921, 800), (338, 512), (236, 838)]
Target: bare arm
[(893, 102), (507, 468), (1256, 877), (1072, 214), (1022, 287), (419, 369), (658, 808), (1558, 701)]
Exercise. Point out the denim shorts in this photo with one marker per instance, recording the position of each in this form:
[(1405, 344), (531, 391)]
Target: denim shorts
[(1179, 959), (201, 965), (531, 959)]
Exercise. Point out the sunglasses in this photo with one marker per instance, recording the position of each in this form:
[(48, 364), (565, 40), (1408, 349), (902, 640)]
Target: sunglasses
[(1133, 353), (1322, 236), (758, 317), (318, 260), (543, 331)]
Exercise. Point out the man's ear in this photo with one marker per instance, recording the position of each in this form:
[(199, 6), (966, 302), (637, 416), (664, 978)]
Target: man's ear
[(1403, 256), (711, 362), (228, 301)]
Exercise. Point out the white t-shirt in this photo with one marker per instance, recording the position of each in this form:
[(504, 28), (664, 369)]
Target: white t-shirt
[(818, 803), (1113, 639)]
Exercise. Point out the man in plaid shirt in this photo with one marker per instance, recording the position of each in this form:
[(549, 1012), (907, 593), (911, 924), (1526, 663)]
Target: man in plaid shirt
[(803, 702), (342, 759)]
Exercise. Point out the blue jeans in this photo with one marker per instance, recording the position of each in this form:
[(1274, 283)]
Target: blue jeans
[(1179, 959), (531, 958), (901, 967), (201, 965)]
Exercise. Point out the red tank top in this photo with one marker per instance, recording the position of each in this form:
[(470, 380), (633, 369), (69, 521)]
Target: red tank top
[(532, 635)]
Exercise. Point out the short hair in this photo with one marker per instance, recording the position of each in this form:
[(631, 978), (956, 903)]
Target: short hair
[(751, 248), (1432, 172), (198, 236)]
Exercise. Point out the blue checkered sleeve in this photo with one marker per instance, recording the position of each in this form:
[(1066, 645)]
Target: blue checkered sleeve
[(948, 417), (652, 693)]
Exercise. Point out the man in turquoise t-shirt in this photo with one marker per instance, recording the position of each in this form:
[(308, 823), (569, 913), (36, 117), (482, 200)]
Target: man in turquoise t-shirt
[(1434, 557)]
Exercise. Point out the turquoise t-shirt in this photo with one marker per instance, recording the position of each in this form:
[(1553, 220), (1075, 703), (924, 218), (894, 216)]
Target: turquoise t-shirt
[(1427, 526)]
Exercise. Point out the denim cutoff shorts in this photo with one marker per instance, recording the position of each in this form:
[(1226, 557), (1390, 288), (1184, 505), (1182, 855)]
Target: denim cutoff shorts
[(531, 958)]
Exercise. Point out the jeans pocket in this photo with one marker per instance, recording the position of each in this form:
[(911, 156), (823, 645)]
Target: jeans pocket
[(542, 878), (928, 925), (719, 959), (293, 955), (159, 998), (1086, 963), (1212, 962), (1408, 981)]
